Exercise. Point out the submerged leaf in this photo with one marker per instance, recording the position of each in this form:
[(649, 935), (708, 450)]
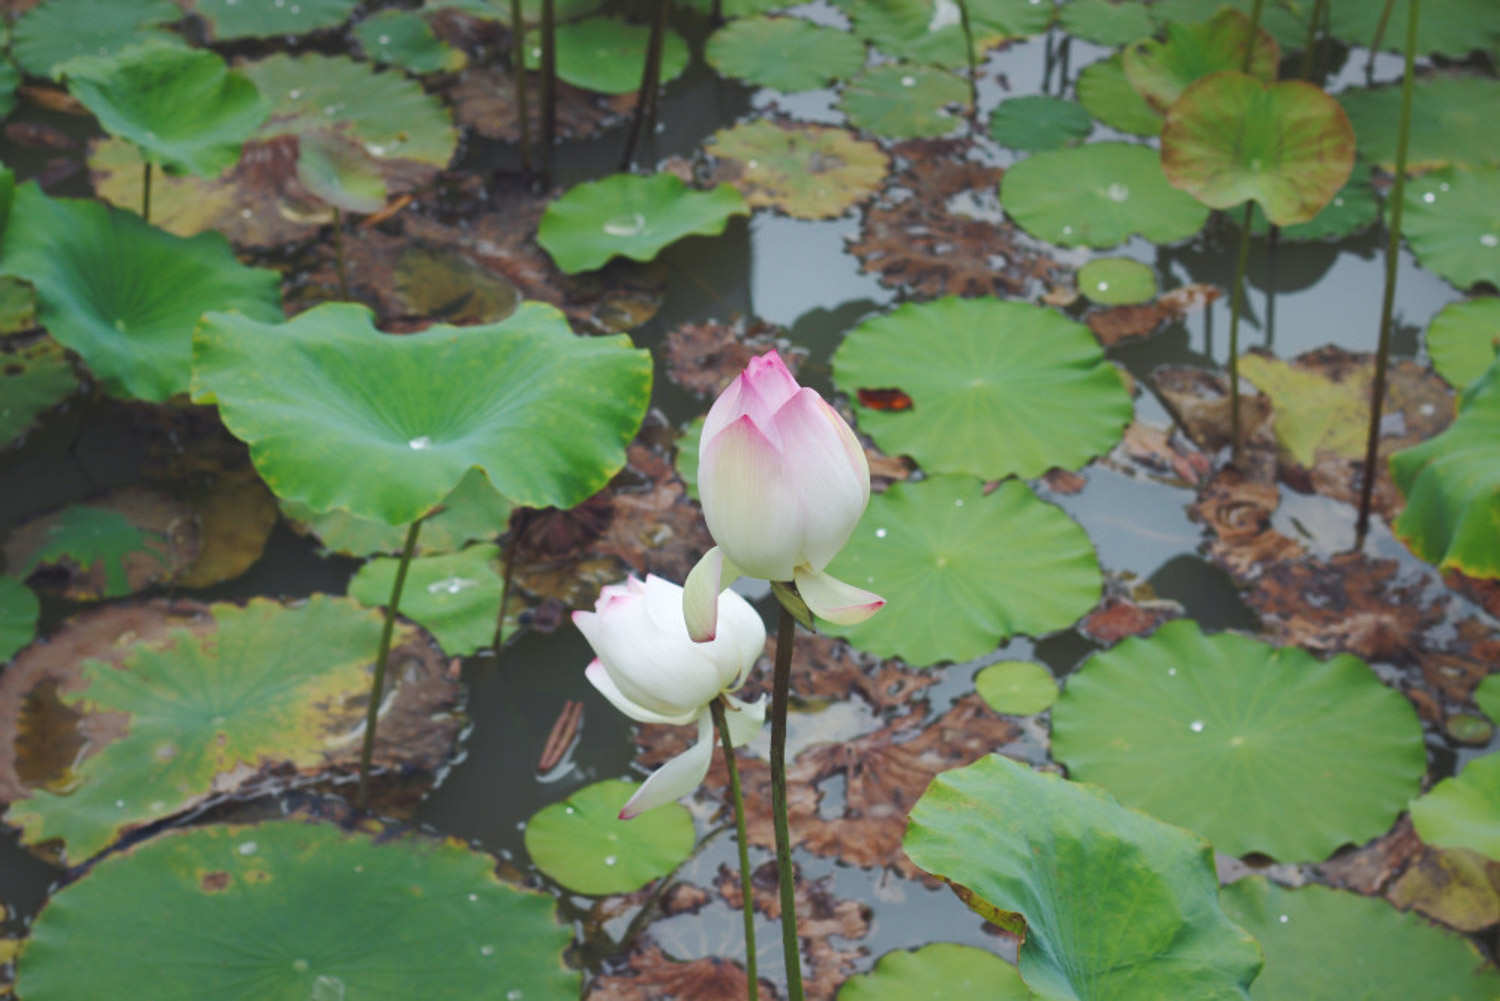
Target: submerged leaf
[(18, 612), (605, 54), (34, 377)]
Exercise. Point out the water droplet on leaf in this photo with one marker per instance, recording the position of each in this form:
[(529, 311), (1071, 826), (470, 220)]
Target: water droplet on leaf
[(630, 225), (1117, 192), (420, 442), (610, 860), (1196, 726), (1489, 239)]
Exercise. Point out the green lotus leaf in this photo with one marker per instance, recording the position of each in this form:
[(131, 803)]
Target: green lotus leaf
[(34, 377), (17, 300), (1039, 122), (1229, 736), (1463, 811), (339, 415), (605, 54), (627, 215), (1230, 138), (1462, 339), (963, 571), (287, 909), (937, 972), (123, 294), (1451, 27), (404, 38), (455, 597), (1061, 854), (1116, 281), (18, 611), (1451, 120), (808, 171), (1354, 208), (182, 107), (1162, 71), (1452, 486), (51, 33), (1097, 195), (1016, 687), (1108, 96), (1283, 20), (905, 102), (387, 113), (583, 844), (117, 545), (1452, 224), (971, 366), (1487, 697), (1107, 23), (339, 172), (243, 19), (1323, 943), (929, 31), (787, 53), (204, 710)]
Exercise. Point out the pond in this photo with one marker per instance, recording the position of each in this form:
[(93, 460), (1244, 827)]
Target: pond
[(1054, 486)]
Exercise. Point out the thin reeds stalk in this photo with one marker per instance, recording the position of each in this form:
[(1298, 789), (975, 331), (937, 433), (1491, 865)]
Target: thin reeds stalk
[(644, 119), (146, 192), (518, 61), (963, 20), (1375, 43), (549, 88), (1237, 292), (382, 655)]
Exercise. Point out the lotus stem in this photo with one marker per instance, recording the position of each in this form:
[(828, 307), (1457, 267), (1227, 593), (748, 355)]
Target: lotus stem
[(507, 573), (1310, 53), (781, 681), (1249, 55), (1064, 57), (338, 250), (1380, 26), (1387, 301), (372, 713), (146, 192), (1236, 306), (644, 118), (549, 88), (752, 988), (518, 59), (963, 20)]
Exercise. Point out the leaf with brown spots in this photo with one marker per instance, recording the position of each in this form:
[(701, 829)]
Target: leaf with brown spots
[(1456, 886), (1119, 323), (1369, 868)]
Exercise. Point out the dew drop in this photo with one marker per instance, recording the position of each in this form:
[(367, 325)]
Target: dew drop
[(1429, 198), (296, 9), (1102, 287), (248, 848), (473, 897), (1117, 192), (1489, 239), (359, 868), (486, 950), (1427, 410), (451, 585), (752, 164), (327, 988), (1196, 726), (1067, 231), (1282, 919), (300, 965), (246, 213), (119, 804), (384, 39), (230, 3), (569, 809), (880, 533), (536, 52), (280, 3), (295, 93), (1443, 186), (958, 502), (419, 443), (869, 580), (610, 860), (1171, 672), (908, 81), (514, 994), (630, 225)]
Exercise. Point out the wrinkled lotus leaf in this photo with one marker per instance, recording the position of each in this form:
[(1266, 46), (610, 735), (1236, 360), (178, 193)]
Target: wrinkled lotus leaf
[(1452, 486), (1455, 886), (1117, 281), (340, 173), (1161, 71), (1228, 736), (1452, 224), (471, 512), (971, 366), (1039, 122), (905, 102), (455, 597), (404, 38), (292, 909), (1311, 413), (1103, 89), (1451, 27), (929, 31), (1097, 195), (1463, 811), (582, 844), (1328, 943), (18, 612), (341, 416), (1462, 340), (267, 18), (200, 712), (1016, 687), (937, 972), (787, 53), (1105, 22), (123, 294), (605, 54), (808, 171), (626, 215), (51, 33), (34, 377), (388, 113), (1487, 697), (1060, 854), (1230, 138), (1452, 118), (182, 107), (1354, 208), (963, 570)]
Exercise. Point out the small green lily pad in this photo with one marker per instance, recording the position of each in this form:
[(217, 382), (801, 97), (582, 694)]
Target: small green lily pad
[(605, 54), (1098, 195), (1106, 22), (1451, 119), (34, 377), (1452, 224), (1229, 736), (266, 19), (1469, 728), (930, 31), (1017, 687), (808, 171), (1117, 281), (787, 53), (1487, 697), (1462, 340), (583, 844), (1452, 27), (1038, 122), (290, 909), (1059, 854), (18, 611), (51, 33), (905, 102), (963, 571), (937, 972), (456, 597), (1463, 811), (1161, 71), (1103, 89), (339, 415), (404, 38), (1323, 943), (970, 366), (626, 215)]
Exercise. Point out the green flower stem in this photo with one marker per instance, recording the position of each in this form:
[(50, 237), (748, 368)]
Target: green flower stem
[(1397, 203), (1310, 52), (644, 118), (1380, 25), (146, 192), (1237, 306), (1249, 55), (752, 988), (519, 523), (780, 689), (963, 19), (549, 88), (382, 655), (518, 59)]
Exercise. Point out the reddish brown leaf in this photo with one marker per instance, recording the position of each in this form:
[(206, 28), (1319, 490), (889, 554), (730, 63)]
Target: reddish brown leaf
[(1117, 618), (883, 399)]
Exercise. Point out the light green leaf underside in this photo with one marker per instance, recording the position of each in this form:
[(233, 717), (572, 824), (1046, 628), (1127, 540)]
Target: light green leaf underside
[(1161, 71), (1108, 96)]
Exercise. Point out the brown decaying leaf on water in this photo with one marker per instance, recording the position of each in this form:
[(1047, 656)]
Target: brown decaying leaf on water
[(1369, 868), (706, 357), (1458, 887), (1117, 617), (654, 976), (483, 99), (1119, 323)]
